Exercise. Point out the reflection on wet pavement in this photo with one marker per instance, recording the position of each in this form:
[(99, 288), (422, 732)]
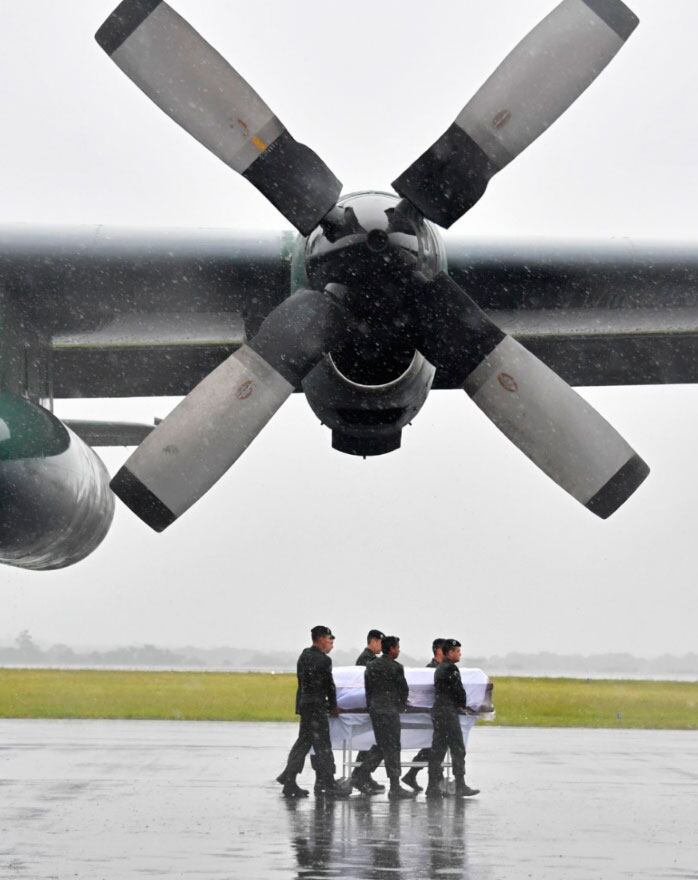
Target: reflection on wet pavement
[(116, 800), (374, 840)]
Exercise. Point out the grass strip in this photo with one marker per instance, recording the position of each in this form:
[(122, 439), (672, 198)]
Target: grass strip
[(221, 696)]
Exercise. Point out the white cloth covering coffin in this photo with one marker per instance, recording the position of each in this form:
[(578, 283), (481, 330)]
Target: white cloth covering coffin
[(416, 727)]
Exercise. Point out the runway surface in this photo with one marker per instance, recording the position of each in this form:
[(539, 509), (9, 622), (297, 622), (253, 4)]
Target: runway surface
[(114, 800)]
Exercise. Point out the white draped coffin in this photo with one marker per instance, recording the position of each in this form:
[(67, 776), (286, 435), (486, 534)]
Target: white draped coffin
[(353, 726)]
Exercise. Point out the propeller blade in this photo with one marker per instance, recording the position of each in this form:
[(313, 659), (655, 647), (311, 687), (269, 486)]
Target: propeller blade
[(538, 411), (208, 431), (185, 76), (556, 428), (546, 72), (201, 438)]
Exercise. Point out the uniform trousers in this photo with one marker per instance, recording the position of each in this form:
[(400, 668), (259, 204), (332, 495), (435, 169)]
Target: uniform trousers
[(447, 735), (367, 759), (386, 728), (422, 756), (314, 732)]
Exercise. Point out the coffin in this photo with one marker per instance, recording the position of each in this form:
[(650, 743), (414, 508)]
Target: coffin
[(353, 726)]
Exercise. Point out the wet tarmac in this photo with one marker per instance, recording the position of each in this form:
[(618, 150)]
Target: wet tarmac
[(113, 800)]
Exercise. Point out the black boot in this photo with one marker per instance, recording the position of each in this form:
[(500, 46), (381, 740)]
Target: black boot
[(291, 788), (335, 790), (331, 789), (434, 788), (361, 782), (410, 778), (463, 790), (397, 792)]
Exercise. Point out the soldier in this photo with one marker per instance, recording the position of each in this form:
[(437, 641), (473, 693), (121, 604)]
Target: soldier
[(386, 697), (363, 781), (372, 649), (449, 701), (410, 778), (315, 698)]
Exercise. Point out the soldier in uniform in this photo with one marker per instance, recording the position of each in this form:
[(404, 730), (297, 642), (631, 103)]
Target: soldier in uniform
[(410, 778), (386, 697), (372, 650), (449, 701), (315, 698), (363, 781)]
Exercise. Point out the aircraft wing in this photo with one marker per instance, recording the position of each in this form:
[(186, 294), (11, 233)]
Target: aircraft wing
[(619, 312), (99, 312), (102, 312)]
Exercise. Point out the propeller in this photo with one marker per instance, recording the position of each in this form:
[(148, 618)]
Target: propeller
[(208, 431), (537, 410), (542, 76), (548, 421), (185, 76)]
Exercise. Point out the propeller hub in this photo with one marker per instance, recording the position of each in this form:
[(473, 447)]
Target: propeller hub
[(377, 240), (363, 241)]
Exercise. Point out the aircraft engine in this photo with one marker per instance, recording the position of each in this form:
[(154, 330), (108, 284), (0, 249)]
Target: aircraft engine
[(373, 384), (55, 501), (370, 279), (367, 419)]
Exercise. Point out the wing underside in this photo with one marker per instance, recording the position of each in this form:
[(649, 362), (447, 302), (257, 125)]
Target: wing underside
[(98, 312)]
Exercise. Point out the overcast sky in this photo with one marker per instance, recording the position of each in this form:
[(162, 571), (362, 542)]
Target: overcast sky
[(456, 533)]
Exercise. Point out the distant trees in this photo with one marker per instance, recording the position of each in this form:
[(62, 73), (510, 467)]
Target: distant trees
[(26, 647), (26, 651)]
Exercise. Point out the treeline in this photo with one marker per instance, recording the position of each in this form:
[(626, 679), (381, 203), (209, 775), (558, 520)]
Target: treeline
[(26, 652), (594, 664)]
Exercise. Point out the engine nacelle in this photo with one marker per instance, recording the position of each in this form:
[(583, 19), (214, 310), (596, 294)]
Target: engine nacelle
[(375, 383), (367, 419), (55, 502)]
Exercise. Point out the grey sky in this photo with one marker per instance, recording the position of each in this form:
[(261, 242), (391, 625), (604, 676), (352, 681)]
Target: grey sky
[(456, 532)]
